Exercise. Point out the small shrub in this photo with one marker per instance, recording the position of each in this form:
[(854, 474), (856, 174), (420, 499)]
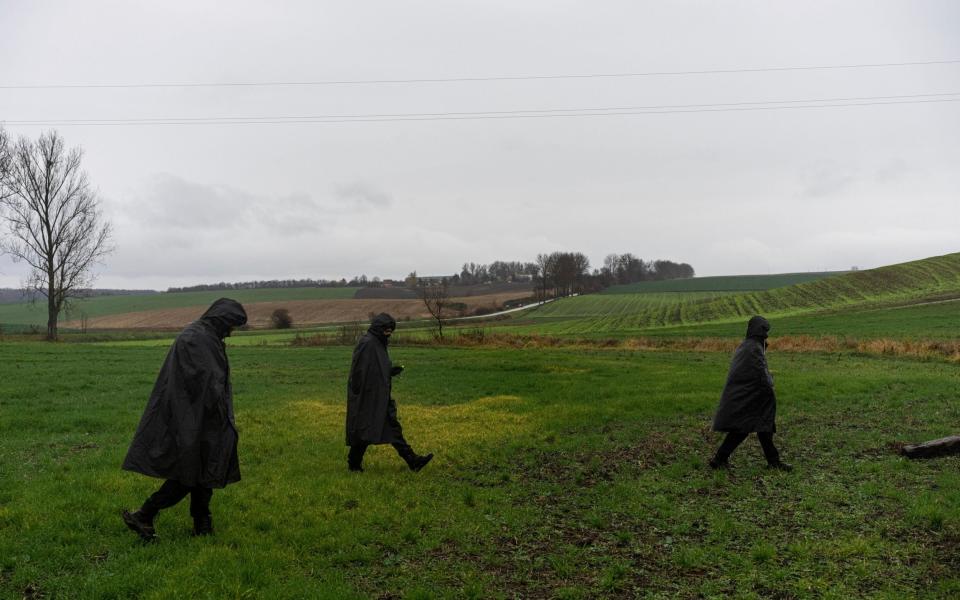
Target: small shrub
[(349, 333), (472, 336), (281, 319)]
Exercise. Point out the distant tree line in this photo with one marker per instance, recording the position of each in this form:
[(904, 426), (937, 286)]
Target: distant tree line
[(627, 268), (565, 273), (358, 281), (554, 275), (498, 271)]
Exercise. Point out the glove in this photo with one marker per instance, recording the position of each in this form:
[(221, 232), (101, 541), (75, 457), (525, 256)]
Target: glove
[(394, 371)]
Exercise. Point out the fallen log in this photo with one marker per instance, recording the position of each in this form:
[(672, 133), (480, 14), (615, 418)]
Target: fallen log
[(941, 447)]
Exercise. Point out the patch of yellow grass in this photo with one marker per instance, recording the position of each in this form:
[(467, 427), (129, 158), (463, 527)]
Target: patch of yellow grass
[(485, 419)]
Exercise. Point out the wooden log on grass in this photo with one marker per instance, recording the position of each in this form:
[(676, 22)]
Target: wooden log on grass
[(941, 447)]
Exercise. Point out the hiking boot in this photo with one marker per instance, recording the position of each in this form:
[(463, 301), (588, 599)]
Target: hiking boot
[(203, 525), (140, 523), (417, 462), (719, 464), (780, 466)]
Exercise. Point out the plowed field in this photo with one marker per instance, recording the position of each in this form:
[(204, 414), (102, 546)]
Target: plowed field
[(304, 312)]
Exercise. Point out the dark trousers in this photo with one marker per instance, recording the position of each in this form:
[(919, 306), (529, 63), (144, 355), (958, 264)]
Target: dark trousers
[(172, 492), (734, 439), (355, 457)]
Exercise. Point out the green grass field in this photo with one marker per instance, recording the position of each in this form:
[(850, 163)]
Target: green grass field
[(559, 473), (567, 472), (35, 314)]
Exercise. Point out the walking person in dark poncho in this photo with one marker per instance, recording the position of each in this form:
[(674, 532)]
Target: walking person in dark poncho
[(371, 410), (187, 433), (748, 402)]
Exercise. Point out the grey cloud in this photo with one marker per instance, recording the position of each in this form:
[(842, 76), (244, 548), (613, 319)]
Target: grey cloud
[(172, 203), (827, 178), (295, 214), (892, 171), (359, 195), (169, 201)]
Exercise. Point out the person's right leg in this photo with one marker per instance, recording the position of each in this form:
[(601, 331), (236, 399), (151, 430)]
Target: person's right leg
[(405, 450), (200, 510), (770, 451), (141, 520), (730, 443), (169, 494), (355, 457)]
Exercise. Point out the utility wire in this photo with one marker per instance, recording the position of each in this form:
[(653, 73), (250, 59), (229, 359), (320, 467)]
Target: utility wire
[(346, 82), (514, 114)]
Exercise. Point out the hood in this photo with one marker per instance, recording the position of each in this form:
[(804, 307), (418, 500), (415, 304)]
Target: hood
[(758, 327), (379, 323), (225, 314)]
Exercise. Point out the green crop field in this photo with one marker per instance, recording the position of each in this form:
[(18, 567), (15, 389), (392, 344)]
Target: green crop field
[(723, 283), (559, 473), (934, 321), (35, 314), (640, 313)]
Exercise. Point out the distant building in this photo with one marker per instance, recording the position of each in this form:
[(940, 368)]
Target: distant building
[(433, 279)]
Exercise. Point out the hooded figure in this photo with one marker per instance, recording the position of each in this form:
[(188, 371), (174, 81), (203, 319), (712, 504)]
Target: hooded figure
[(748, 403), (371, 410), (187, 433)]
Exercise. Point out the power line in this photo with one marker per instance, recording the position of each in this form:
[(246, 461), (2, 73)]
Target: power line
[(346, 82), (476, 117), (513, 114), (483, 112)]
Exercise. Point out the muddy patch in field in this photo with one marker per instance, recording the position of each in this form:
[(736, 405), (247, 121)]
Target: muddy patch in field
[(33, 591), (590, 467)]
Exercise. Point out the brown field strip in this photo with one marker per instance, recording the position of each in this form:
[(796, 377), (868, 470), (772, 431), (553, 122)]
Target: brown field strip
[(304, 312)]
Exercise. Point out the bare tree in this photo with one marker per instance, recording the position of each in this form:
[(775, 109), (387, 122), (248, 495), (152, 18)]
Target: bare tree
[(4, 151), (4, 164), (436, 297), (545, 267), (54, 220)]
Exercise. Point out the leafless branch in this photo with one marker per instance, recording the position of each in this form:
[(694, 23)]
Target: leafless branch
[(436, 298)]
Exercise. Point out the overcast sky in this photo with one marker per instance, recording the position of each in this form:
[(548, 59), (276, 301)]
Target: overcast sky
[(730, 192)]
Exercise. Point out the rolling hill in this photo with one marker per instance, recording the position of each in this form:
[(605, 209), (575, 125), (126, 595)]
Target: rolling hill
[(928, 280), (722, 283)]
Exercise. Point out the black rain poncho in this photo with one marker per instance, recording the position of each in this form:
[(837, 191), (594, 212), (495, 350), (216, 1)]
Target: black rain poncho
[(369, 403), (748, 402), (187, 432)]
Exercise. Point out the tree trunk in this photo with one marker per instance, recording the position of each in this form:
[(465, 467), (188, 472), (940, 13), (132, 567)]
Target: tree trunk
[(941, 447), (52, 313)]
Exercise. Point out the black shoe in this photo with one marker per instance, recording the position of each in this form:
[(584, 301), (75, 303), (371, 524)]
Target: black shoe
[(418, 462), (355, 468), (780, 466), (203, 525), (719, 464), (139, 523)]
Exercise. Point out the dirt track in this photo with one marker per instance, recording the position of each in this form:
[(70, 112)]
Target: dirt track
[(304, 312)]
